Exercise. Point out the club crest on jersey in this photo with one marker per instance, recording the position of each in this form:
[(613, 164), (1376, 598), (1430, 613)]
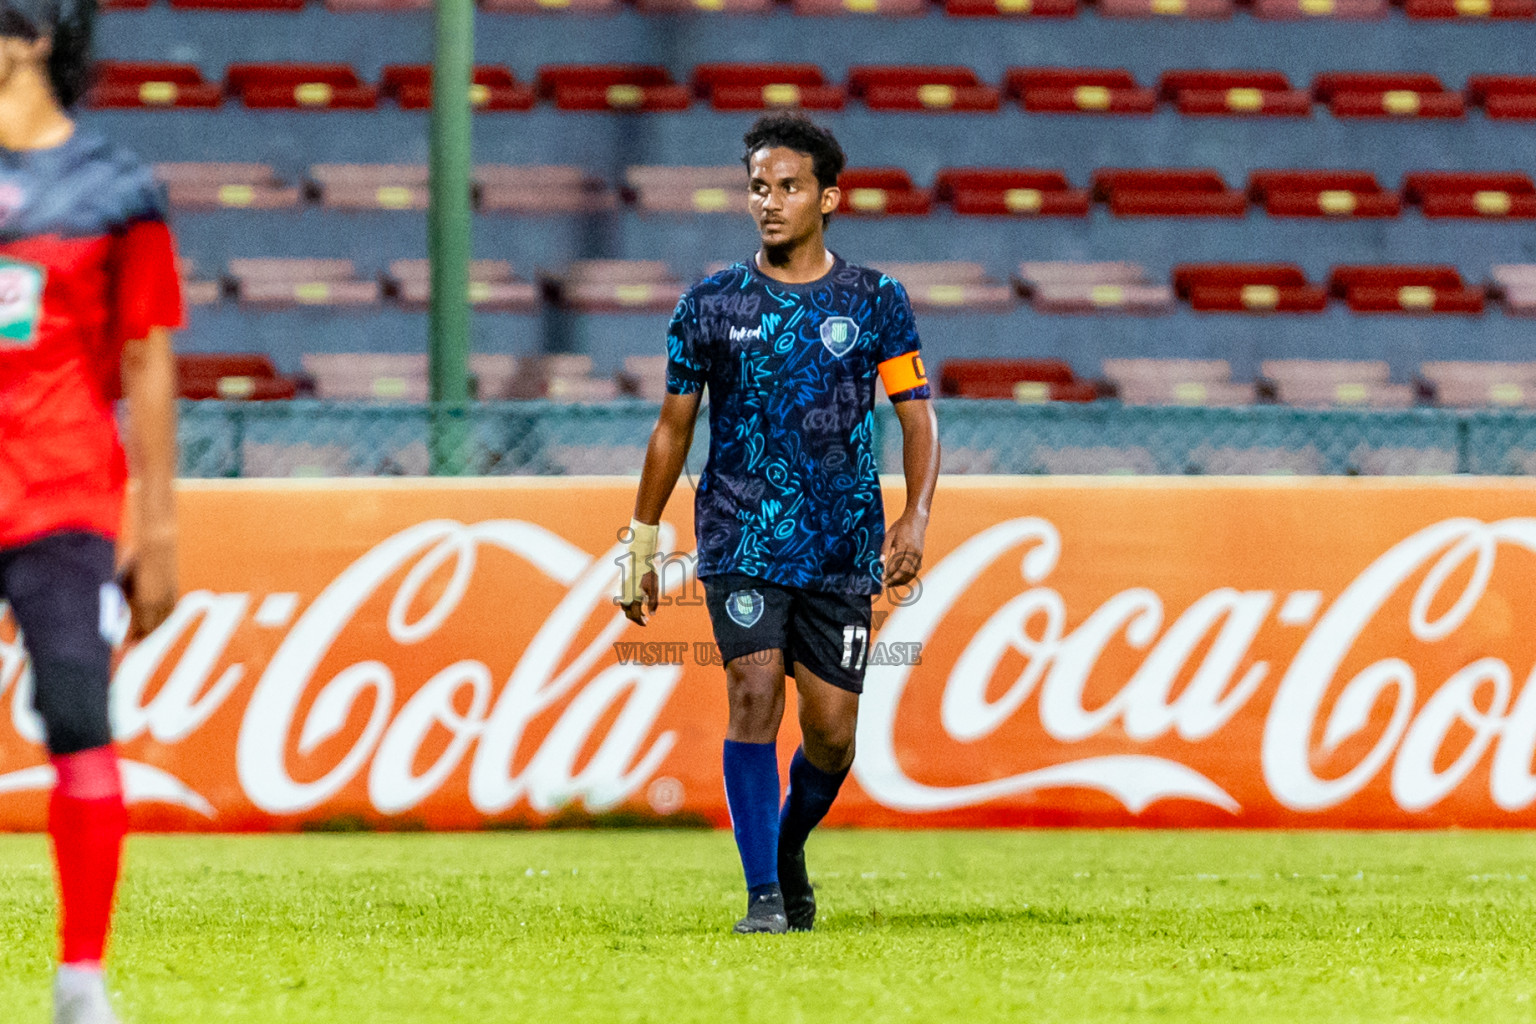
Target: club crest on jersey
[(21, 303), (839, 334), (744, 607)]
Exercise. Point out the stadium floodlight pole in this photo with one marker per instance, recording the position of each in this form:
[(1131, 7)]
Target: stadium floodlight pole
[(449, 226)]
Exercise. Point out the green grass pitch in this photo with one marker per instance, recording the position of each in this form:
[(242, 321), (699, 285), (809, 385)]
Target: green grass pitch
[(926, 926)]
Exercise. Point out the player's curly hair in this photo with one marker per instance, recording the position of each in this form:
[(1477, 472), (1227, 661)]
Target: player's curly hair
[(801, 134), (72, 26)]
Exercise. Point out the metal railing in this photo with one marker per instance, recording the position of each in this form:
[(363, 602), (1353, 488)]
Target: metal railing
[(305, 438)]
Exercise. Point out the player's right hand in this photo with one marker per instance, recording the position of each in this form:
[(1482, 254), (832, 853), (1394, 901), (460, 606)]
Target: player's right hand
[(639, 611)]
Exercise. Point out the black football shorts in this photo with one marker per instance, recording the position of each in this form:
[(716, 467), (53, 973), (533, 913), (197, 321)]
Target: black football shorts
[(827, 633)]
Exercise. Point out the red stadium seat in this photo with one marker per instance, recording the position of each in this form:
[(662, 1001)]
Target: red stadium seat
[(1371, 94), (622, 87), (1504, 97), (764, 86), (1475, 196), (1202, 9), (1022, 380), (301, 282), (493, 88), (299, 87), (492, 286), (1079, 91), (619, 286), (130, 84), (1405, 289), (1341, 194), (1308, 10), (1248, 288), (669, 189), (950, 285), (936, 89), (1497, 10), (980, 191), (1234, 94), (1196, 192), (1011, 8), (882, 192), (535, 189), (835, 8), (231, 377), (215, 186)]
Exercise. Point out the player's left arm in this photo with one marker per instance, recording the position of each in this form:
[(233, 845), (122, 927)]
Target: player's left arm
[(903, 550), (149, 385)]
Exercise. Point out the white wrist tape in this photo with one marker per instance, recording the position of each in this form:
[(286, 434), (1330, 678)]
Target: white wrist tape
[(642, 549)]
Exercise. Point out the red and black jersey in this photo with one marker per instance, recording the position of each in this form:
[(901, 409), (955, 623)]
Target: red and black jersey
[(87, 264)]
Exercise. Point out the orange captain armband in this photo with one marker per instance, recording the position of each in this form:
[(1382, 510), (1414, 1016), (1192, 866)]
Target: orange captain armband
[(903, 373)]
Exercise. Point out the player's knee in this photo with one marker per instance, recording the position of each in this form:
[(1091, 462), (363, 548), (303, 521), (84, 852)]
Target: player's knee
[(829, 744), (71, 698), (753, 694)]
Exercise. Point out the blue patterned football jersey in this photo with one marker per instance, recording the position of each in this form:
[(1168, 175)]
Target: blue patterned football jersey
[(791, 490)]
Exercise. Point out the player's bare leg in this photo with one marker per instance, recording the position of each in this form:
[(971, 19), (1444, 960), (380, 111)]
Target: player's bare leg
[(828, 721), (755, 688)]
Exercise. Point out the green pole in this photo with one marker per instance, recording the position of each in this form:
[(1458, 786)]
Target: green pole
[(448, 242)]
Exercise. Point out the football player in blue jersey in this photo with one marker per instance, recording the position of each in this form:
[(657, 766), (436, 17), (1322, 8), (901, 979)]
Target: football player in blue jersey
[(792, 540)]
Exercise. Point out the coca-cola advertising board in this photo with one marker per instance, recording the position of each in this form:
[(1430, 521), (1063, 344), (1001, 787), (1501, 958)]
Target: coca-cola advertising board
[(447, 654)]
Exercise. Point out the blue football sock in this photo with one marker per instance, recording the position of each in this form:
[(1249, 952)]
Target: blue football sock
[(752, 792), (811, 792)]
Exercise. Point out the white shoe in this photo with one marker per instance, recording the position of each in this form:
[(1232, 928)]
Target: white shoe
[(80, 997)]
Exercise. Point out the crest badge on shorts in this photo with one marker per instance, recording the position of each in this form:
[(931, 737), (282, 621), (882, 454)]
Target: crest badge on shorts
[(744, 607), (839, 334)]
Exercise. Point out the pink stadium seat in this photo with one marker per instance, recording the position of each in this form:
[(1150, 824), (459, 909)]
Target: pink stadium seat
[(1479, 196), (1202, 9), (620, 286), (563, 377), (981, 191), (624, 87), (1472, 384), (1514, 284), (1194, 192), (124, 5), (1070, 287), (492, 89), (1011, 8), (376, 6), (586, 7), (1372, 94), (368, 376), (197, 291), (1342, 194), (688, 189), (950, 285), (534, 189), (215, 186), (1324, 383), (1504, 97), (1079, 91), (372, 186), (1248, 288), (134, 84), (301, 282), (299, 87), (1307, 10), (834, 8), (707, 6), (1496, 10), (1176, 382), (882, 192), (764, 86), (936, 89), (492, 286), (644, 377), (238, 5), (1234, 94), (1405, 289), (1022, 380)]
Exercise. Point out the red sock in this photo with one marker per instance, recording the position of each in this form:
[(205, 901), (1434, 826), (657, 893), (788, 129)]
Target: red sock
[(87, 821)]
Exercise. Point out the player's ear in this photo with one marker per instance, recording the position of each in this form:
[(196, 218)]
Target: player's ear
[(830, 197)]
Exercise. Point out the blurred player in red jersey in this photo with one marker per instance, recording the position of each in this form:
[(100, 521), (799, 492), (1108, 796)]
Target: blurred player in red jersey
[(88, 296)]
